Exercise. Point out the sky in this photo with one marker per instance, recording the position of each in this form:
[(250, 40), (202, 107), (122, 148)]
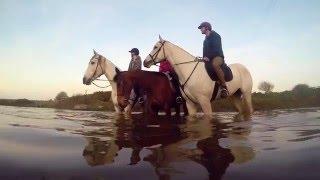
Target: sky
[(45, 46)]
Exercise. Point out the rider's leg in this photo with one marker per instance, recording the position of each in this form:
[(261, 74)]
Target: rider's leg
[(217, 62), (131, 100), (176, 86)]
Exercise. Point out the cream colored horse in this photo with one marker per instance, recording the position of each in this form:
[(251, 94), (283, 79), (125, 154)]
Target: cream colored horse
[(198, 87), (97, 66)]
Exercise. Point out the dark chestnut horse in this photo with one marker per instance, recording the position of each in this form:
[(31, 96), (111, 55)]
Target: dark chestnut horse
[(154, 85)]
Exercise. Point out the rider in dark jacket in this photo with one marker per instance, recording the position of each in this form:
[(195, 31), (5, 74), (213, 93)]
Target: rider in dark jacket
[(212, 52)]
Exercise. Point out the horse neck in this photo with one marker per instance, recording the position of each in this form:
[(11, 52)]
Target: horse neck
[(177, 55), (109, 69)]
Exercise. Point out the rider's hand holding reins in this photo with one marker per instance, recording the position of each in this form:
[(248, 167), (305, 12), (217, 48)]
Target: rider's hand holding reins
[(205, 59)]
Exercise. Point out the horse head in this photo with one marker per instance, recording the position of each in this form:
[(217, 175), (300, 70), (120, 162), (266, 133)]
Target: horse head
[(124, 87), (156, 55), (94, 69)]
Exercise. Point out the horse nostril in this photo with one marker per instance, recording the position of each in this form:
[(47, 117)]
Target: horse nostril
[(84, 80)]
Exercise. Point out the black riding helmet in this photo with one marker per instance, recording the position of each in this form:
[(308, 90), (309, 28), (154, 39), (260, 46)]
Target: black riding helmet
[(205, 24), (135, 51)]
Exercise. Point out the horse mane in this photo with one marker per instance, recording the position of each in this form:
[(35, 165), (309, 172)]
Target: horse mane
[(181, 48), (104, 58)]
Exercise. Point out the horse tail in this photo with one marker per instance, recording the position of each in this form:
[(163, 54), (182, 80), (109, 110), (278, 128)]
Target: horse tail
[(246, 78), (246, 87)]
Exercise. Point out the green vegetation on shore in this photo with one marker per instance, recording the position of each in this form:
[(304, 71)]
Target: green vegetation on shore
[(300, 96), (96, 101)]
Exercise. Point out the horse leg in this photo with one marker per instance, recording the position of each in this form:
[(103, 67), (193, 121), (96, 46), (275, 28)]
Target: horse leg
[(129, 107), (206, 106), (177, 108), (117, 109), (152, 110), (146, 106), (167, 109), (185, 109), (248, 102), (237, 102), (192, 109)]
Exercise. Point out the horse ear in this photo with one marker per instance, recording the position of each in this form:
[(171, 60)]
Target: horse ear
[(160, 38), (95, 53), (117, 71), (115, 78)]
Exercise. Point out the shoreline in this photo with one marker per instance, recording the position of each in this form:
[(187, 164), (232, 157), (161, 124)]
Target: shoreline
[(101, 101), (260, 110)]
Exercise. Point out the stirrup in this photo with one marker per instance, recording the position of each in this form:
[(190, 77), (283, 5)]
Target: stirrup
[(140, 100), (179, 100), (224, 92)]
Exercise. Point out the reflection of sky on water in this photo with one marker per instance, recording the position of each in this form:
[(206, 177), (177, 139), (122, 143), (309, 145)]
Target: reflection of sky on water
[(91, 143)]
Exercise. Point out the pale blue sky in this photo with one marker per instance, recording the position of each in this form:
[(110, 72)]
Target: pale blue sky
[(45, 45)]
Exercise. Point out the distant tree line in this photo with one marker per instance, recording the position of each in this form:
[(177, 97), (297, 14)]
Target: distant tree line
[(302, 95)]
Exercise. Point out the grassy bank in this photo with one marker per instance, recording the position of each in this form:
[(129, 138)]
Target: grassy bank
[(306, 97), (275, 100), (96, 101)]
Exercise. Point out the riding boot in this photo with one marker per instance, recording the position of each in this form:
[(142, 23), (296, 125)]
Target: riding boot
[(175, 82), (224, 90)]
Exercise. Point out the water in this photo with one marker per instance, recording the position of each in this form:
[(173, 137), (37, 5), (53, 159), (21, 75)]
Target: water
[(62, 144)]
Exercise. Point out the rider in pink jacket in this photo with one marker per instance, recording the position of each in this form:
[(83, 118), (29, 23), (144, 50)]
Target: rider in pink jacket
[(165, 66)]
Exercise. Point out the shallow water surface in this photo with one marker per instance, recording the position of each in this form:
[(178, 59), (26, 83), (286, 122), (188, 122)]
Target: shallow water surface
[(62, 144)]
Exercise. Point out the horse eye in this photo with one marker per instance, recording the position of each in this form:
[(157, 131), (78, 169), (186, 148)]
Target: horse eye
[(91, 62), (155, 47)]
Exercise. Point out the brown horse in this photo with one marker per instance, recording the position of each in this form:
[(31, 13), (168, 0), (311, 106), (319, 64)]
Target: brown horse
[(154, 85)]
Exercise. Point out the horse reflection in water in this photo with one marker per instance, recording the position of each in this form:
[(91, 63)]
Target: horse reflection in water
[(170, 141)]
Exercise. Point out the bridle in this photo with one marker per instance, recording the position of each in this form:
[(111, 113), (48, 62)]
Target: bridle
[(95, 71), (155, 55)]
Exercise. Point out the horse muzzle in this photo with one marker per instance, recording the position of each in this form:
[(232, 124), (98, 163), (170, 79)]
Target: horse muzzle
[(147, 64), (86, 81)]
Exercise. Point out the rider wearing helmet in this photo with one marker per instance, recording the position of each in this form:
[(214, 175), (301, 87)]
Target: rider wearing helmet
[(135, 63), (212, 52)]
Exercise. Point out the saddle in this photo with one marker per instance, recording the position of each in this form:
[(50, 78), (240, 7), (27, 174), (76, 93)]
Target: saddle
[(228, 76)]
